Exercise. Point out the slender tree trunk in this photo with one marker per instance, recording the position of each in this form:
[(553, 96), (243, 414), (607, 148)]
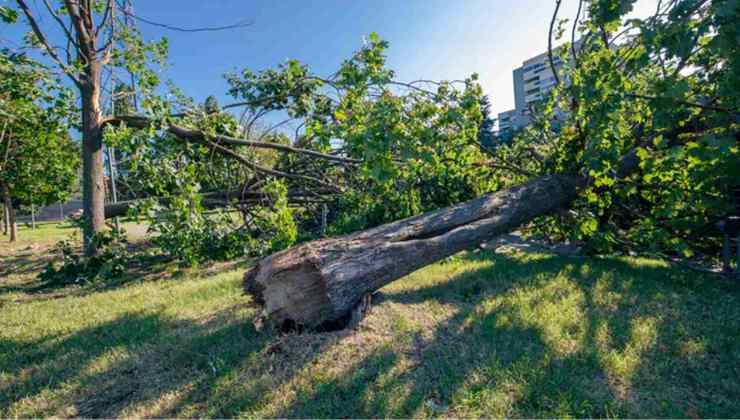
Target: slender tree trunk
[(93, 178), (6, 218), (10, 212), (318, 283)]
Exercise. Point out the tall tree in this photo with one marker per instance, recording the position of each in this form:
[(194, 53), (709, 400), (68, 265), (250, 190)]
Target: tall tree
[(87, 27), (99, 35), (38, 160)]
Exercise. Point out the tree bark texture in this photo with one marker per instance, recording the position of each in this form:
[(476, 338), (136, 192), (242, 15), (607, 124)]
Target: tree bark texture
[(319, 282), (6, 217), (93, 177)]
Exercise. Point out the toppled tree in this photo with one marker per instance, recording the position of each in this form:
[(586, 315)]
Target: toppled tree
[(187, 158), (641, 146), (317, 284)]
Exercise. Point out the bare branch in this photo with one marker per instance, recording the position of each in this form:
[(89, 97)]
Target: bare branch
[(83, 36), (106, 14), (549, 42), (68, 70), (197, 135), (573, 33), (59, 20), (267, 171)]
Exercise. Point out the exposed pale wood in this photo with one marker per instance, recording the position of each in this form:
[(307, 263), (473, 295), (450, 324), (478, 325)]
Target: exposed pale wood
[(319, 282)]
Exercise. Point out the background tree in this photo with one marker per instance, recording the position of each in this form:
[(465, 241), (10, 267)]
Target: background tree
[(98, 38), (486, 136), (38, 159)]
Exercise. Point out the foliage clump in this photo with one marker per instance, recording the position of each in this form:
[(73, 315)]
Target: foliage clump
[(112, 261), (658, 90)]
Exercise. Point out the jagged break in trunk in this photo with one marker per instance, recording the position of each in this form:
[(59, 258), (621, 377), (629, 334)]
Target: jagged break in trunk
[(317, 283), (93, 178)]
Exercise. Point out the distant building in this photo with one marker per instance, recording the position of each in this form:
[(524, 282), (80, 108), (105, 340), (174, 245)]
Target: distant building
[(532, 81)]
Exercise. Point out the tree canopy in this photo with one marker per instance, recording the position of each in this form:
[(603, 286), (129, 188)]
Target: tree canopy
[(657, 88), (359, 148), (39, 162)]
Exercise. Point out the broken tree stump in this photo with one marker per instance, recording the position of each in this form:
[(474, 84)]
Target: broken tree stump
[(317, 284)]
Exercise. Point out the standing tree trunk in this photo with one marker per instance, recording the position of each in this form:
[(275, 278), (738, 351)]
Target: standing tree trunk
[(93, 178), (5, 218), (9, 211), (317, 284), (82, 32)]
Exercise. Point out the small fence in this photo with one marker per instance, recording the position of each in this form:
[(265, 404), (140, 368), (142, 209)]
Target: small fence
[(52, 213)]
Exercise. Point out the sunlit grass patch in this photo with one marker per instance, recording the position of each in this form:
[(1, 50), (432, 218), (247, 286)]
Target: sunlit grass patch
[(477, 335)]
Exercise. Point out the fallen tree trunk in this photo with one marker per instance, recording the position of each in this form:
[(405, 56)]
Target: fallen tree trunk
[(318, 283), (220, 199)]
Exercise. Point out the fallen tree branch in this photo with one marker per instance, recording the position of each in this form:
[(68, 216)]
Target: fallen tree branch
[(185, 133), (219, 199)]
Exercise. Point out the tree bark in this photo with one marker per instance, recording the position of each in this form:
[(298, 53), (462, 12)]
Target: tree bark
[(9, 211), (6, 228), (318, 283), (93, 178)]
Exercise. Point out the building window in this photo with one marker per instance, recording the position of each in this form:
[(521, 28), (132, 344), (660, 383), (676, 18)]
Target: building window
[(534, 66)]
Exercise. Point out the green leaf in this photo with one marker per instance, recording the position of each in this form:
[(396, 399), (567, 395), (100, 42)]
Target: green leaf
[(8, 15)]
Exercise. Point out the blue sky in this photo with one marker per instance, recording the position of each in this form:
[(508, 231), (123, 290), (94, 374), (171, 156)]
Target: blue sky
[(431, 39)]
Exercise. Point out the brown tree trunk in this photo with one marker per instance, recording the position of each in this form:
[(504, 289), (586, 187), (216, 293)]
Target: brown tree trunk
[(10, 212), (93, 178), (318, 283), (5, 218)]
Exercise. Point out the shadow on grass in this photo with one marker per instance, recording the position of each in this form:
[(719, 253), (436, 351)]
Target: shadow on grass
[(141, 268), (640, 341), (132, 359), (22, 264)]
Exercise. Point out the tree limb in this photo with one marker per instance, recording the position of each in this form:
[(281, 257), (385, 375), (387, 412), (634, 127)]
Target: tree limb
[(68, 70), (549, 42), (187, 133)]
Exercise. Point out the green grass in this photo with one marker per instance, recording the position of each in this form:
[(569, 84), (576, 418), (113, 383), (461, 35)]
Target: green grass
[(49, 233), (477, 335)]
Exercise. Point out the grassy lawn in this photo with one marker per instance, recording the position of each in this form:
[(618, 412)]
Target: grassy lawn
[(47, 234), (517, 335)]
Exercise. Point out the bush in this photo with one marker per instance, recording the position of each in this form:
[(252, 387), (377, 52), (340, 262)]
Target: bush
[(112, 259)]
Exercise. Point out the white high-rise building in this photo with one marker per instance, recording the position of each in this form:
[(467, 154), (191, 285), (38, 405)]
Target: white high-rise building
[(532, 81)]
